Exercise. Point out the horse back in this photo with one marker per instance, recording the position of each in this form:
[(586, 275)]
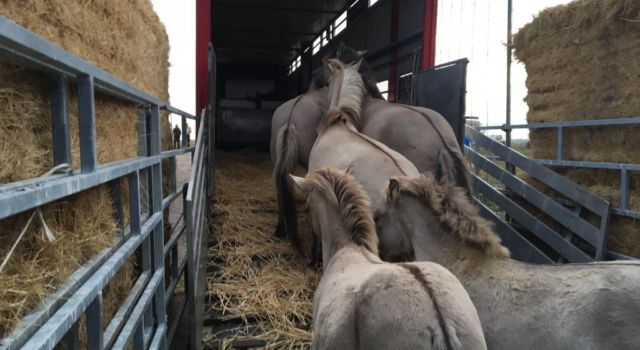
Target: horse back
[(415, 132), (393, 312)]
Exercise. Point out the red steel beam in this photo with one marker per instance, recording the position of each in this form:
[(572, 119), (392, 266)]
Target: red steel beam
[(429, 33), (203, 37)]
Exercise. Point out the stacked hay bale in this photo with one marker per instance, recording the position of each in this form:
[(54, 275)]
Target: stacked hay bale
[(581, 61), (123, 37)]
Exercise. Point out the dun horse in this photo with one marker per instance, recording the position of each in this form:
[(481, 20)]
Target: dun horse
[(521, 306), (417, 133), (339, 145), (293, 129), (364, 303)]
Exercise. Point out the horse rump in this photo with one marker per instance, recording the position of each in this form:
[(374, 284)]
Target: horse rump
[(452, 168)]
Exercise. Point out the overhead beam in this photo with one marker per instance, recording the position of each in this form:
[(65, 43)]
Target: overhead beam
[(223, 46), (275, 8), (262, 30)]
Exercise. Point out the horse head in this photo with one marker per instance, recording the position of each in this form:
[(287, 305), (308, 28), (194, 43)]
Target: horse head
[(425, 210), (340, 210), (346, 55), (346, 92)]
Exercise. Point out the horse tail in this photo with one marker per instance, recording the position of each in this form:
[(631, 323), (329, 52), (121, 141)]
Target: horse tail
[(444, 337), (287, 145), (457, 168), (452, 169)]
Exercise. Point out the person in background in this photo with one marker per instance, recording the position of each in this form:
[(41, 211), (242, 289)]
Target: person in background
[(188, 136), (176, 137)]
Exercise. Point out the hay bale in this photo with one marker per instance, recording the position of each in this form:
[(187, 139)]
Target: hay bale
[(580, 62), (260, 279), (123, 37)]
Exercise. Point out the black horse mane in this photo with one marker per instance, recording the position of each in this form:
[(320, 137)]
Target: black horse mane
[(345, 54)]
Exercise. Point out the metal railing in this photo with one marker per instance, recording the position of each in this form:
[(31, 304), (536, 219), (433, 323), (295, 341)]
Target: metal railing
[(560, 160), (572, 226), (142, 318), (198, 213)]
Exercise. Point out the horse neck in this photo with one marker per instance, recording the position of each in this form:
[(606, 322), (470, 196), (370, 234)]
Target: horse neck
[(336, 237), (448, 250), (346, 94), (431, 241)]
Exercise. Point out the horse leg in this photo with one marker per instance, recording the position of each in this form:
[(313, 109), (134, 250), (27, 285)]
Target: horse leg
[(316, 252), (279, 231)]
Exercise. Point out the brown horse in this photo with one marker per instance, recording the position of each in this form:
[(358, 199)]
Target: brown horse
[(364, 303), (521, 306)]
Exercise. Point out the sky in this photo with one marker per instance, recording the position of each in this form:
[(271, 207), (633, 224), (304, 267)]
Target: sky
[(179, 19), (476, 29)]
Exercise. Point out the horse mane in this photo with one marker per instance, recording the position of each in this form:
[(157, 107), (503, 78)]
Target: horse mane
[(354, 206), (351, 93), (454, 209)]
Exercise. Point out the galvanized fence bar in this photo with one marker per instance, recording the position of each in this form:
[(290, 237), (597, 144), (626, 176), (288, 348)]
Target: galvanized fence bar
[(595, 235), (575, 123), (143, 312), (19, 43), (118, 322), (559, 159), (60, 120), (520, 248), (550, 178), (61, 321), (546, 204), (195, 217), (532, 223), (87, 125), (95, 338)]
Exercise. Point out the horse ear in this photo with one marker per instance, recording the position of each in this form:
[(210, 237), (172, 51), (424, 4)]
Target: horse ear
[(394, 190), (358, 63), (333, 65), (341, 48), (299, 184)]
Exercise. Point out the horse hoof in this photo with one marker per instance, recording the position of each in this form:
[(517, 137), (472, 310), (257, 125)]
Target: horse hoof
[(314, 264), (279, 232)]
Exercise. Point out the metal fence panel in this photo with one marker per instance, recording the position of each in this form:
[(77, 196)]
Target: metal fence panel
[(142, 316)]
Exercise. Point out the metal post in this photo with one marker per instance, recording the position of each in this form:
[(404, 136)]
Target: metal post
[(509, 46), (211, 131), (510, 167), (624, 188), (559, 146), (72, 338), (60, 120), (172, 175), (156, 206), (87, 124), (185, 135), (115, 190), (94, 324)]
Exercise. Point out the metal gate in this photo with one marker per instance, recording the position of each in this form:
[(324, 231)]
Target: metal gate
[(198, 211), (141, 320)]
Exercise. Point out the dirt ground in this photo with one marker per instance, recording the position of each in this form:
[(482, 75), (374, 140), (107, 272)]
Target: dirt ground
[(260, 290)]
